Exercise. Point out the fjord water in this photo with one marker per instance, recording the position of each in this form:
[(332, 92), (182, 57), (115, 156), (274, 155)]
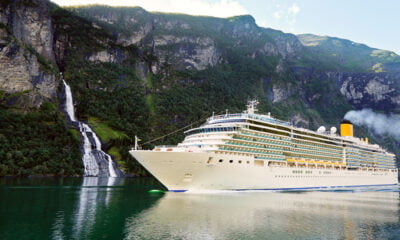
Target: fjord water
[(122, 208)]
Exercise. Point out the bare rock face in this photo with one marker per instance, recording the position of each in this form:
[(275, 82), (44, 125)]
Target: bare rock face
[(21, 73), (14, 75), (26, 54), (280, 92), (299, 120), (288, 45), (103, 56), (348, 89), (30, 24), (137, 36), (181, 43), (188, 52), (375, 90), (284, 45)]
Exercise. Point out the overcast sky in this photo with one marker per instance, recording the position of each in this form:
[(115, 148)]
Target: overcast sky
[(373, 22)]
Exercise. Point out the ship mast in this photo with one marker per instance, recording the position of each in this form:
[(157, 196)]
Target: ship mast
[(252, 106)]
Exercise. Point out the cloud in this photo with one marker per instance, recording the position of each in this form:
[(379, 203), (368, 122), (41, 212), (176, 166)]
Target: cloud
[(294, 9), (285, 15), (278, 14), (220, 8), (292, 12), (262, 23)]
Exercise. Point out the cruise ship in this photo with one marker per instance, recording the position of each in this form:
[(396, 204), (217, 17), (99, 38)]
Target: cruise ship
[(251, 151)]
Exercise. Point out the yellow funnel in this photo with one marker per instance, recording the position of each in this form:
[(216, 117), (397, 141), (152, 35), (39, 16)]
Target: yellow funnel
[(346, 128)]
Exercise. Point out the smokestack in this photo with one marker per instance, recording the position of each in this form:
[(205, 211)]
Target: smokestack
[(346, 128), (377, 122)]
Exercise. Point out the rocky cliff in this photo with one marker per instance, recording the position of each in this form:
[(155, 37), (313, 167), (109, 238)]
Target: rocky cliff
[(27, 76), (366, 77), (189, 42)]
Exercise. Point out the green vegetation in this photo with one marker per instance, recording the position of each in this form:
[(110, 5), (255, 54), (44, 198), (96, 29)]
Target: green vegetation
[(119, 105), (37, 143), (124, 98), (81, 34), (344, 54), (104, 131)]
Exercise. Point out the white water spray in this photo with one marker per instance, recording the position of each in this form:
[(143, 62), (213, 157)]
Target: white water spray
[(89, 160), (378, 122), (69, 104), (90, 157)]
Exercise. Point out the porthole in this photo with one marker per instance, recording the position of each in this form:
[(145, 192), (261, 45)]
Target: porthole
[(248, 162), (230, 161), (221, 160), (240, 161)]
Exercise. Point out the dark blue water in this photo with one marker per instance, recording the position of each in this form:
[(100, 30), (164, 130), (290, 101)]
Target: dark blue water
[(93, 208)]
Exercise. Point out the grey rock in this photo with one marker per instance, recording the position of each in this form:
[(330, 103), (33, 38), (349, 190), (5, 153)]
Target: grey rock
[(30, 38)]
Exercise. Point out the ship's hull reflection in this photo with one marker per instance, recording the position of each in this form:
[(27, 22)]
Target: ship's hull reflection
[(266, 215)]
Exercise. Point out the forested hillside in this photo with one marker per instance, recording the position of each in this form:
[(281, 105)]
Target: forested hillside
[(133, 72)]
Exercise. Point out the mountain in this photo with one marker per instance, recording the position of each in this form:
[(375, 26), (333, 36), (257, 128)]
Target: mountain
[(367, 77), (133, 72)]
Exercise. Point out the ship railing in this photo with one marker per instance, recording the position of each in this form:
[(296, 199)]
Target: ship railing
[(166, 146), (249, 116)]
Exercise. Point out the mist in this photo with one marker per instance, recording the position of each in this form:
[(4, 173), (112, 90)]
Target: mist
[(377, 122)]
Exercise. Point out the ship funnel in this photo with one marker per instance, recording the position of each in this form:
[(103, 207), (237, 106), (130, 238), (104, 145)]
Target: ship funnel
[(346, 128)]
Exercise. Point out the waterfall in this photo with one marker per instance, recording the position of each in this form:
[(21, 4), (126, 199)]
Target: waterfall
[(95, 161), (69, 104)]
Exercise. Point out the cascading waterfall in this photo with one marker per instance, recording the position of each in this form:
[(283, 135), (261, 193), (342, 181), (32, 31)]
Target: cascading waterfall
[(96, 162)]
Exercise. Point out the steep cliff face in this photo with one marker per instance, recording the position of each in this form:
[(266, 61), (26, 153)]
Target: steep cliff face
[(190, 43), (26, 54), (379, 91), (366, 77)]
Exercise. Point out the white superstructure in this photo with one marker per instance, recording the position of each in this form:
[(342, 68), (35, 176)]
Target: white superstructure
[(247, 151)]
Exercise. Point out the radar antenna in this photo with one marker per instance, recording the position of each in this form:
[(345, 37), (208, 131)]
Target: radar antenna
[(252, 106)]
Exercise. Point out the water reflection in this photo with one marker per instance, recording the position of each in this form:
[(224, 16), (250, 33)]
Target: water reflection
[(122, 208), (58, 226), (101, 207), (90, 196), (261, 215)]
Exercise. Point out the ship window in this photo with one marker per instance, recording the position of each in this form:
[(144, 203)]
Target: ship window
[(248, 162), (230, 161), (240, 161), (258, 163), (221, 160)]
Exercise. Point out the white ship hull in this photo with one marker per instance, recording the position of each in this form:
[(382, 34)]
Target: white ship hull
[(183, 171)]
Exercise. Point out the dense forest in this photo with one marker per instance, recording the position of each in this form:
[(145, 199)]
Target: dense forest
[(38, 143)]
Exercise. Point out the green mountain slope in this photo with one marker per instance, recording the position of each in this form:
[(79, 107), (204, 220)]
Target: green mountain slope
[(347, 54), (133, 72)]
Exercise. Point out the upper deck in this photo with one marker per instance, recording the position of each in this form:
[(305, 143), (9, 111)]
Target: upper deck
[(234, 122), (237, 116)]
